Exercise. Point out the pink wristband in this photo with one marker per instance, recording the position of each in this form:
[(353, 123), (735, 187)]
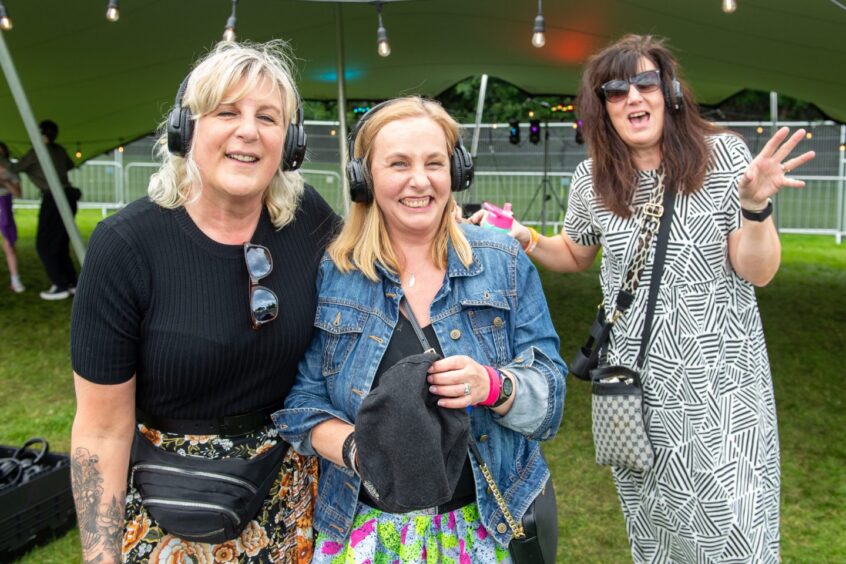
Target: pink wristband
[(496, 382)]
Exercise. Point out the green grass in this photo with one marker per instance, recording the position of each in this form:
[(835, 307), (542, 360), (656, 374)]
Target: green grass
[(804, 314)]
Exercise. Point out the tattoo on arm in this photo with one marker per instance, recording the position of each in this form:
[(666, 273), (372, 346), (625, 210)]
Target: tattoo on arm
[(100, 523)]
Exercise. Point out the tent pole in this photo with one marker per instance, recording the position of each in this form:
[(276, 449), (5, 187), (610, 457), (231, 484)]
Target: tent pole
[(480, 107), (40, 150), (342, 105), (773, 129)]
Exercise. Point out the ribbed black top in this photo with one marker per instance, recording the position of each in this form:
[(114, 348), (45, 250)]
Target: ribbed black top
[(159, 299)]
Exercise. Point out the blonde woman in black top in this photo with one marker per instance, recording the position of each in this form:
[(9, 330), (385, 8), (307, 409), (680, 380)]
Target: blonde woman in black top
[(193, 310)]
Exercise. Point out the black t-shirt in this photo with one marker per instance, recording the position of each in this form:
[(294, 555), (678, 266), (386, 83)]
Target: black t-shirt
[(159, 299), (404, 343)]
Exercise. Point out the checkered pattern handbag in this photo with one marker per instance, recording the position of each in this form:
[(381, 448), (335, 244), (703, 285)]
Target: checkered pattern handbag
[(619, 434)]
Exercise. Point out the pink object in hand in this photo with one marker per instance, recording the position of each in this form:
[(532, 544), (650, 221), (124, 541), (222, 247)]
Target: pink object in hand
[(498, 218)]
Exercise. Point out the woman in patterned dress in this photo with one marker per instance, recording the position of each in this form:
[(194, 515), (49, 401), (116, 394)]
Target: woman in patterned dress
[(713, 494)]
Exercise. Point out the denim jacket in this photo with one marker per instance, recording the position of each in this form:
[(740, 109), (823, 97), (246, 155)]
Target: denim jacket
[(494, 311)]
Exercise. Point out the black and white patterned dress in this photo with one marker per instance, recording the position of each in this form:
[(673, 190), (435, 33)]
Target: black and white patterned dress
[(713, 495)]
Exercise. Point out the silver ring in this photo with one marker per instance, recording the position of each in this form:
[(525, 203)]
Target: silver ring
[(466, 389)]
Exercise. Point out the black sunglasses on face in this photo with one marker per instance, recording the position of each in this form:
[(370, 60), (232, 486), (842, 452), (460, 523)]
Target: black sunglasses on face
[(618, 90), (264, 305)]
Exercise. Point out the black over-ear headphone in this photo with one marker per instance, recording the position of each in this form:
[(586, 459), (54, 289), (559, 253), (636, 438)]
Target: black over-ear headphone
[(180, 131), (461, 165), (673, 95)]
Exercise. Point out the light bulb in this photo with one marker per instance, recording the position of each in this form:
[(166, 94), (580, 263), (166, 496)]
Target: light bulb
[(760, 130), (113, 11), (79, 154), (382, 45), (120, 149), (229, 34), (332, 132), (5, 20), (729, 6), (538, 35), (809, 135)]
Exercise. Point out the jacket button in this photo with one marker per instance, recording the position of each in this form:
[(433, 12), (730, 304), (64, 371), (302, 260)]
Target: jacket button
[(501, 528), (498, 322), (483, 439), (455, 334)]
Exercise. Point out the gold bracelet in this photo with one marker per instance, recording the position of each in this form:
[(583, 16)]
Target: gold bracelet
[(533, 242)]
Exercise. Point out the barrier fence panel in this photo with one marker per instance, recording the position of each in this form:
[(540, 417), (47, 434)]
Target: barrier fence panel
[(506, 172)]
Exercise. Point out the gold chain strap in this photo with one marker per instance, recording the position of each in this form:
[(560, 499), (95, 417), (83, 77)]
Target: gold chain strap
[(519, 533)]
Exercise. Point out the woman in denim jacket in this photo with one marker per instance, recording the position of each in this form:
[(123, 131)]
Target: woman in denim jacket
[(480, 302)]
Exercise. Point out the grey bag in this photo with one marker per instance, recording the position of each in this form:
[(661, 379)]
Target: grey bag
[(619, 433)]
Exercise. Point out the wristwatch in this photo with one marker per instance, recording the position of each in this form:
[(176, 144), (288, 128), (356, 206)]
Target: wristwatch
[(506, 388), (758, 215)]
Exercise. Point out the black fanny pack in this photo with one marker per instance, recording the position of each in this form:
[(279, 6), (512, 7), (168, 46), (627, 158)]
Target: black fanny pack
[(201, 499)]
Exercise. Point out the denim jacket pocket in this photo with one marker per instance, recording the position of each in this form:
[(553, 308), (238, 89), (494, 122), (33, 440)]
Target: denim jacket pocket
[(489, 315), (343, 325)]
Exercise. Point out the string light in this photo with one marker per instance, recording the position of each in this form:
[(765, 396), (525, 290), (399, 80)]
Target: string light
[(382, 45), (332, 132), (113, 11), (531, 114), (729, 6), (538, 35), (809, 135), (78, 153), (760, 130), (842, 148), (120, 149), (229, 30), (5, 20)]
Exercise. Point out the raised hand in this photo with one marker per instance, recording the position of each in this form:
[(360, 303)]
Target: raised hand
[(767, 173)]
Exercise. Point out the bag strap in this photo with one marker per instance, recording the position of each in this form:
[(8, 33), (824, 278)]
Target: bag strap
[(519, 532), (657, 271), (651, 215)]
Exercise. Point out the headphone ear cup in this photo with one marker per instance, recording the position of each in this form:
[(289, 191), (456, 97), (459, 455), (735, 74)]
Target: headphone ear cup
[(360, 191), (673, 96), (180, 130), (461, 168), (296, 141)]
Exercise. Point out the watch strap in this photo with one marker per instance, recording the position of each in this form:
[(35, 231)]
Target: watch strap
[(758, 215)]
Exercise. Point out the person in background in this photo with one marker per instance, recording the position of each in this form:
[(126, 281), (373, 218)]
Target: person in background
[(10, 187), (193, 309), (713, 493), (51, 239), (480, 304)]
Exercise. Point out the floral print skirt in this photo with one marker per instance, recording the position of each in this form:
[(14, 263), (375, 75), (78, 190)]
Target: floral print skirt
[(281, 532), (377, 537)]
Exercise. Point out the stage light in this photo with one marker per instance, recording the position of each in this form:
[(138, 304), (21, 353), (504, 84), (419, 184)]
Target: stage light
[(534, 132), (514, 131), (580, 139), (229, 30), (5, 20), (538, 31), (382, 45), (729, 6), (113, 11)]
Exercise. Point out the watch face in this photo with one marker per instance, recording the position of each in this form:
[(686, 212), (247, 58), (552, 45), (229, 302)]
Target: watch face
[(507, 388)]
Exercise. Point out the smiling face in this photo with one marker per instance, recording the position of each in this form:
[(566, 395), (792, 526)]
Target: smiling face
[(238, 145), (409, 166), (639, 119)]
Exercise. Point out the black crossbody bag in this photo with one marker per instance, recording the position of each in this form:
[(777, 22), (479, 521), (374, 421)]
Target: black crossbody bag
[(535, 538)]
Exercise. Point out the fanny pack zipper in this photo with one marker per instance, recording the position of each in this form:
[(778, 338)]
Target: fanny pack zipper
[(191, 505), (199, 473)]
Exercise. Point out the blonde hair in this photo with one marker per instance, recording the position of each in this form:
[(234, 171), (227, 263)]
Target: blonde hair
[(363, 242), (210, 84)]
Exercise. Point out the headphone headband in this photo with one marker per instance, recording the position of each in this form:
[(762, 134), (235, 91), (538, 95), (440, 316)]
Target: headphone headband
[(461, 163), (180, 132)]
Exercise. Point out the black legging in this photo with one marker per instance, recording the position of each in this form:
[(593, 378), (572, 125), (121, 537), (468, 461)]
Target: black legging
[(53, 243)]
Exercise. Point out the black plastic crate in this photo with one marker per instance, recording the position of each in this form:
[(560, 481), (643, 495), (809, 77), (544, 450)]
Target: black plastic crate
[(41, 506)]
